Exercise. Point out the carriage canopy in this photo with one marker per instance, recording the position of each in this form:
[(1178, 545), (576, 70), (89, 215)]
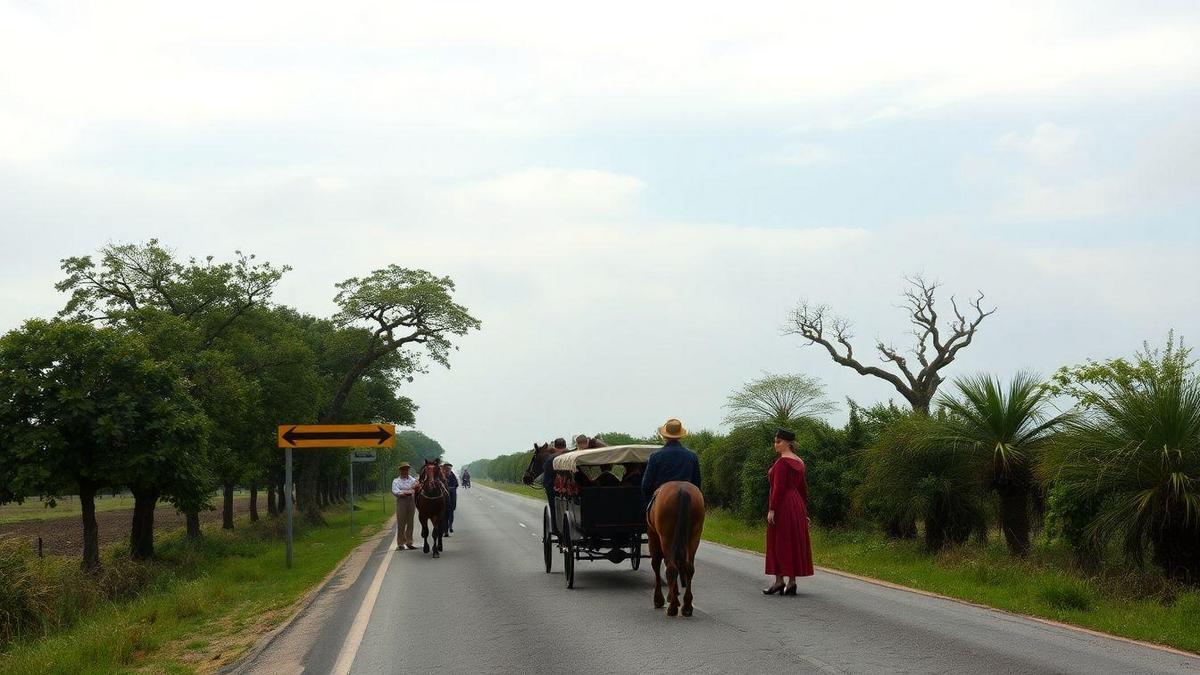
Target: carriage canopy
[(617, 454)]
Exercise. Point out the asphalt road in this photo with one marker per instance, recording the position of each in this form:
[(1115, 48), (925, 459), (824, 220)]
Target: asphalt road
[(487, 606)]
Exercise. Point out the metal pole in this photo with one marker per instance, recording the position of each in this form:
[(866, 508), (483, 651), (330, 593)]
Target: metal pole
[(288, 496), (352, 492)]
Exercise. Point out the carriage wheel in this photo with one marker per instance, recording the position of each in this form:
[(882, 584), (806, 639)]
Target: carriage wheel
[(547, 544), (568, 556), (635, 554)]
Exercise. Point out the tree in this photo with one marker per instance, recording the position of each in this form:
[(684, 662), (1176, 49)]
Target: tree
[(911, 476), (777, 400), (187, 307), (391, 309), (86, 408), (1133, 457), (1005, 430), (816, 324)]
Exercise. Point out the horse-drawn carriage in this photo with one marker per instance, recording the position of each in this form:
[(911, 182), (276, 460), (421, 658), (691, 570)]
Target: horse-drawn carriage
[(597, 519)]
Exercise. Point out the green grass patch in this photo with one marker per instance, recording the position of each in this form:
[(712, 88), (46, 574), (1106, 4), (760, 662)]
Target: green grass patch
[(1129, 603), (201, 603)]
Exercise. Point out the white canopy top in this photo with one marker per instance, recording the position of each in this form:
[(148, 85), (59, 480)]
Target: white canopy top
[(616, 454)]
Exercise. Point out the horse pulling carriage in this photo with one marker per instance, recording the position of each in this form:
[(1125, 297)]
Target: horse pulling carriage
[(596, 520)]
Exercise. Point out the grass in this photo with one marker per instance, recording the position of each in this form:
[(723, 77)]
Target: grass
[(68, 507), (209, 604), (1127, 603)]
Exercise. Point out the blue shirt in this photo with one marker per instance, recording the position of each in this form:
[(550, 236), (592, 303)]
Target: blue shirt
[(548, 472), (672, 462)]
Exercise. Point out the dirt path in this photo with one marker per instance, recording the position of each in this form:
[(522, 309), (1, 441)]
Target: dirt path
[(64, 536)]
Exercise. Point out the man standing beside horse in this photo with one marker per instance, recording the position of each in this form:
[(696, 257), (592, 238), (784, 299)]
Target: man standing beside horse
[(404, 487), (675, 517)]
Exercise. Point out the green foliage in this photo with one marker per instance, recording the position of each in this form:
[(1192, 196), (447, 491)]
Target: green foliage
[(1003, 429), (912, 476), (421, 446), (89, 407), (759, 456), (1089, 383), (777, 400), (1135, 456)]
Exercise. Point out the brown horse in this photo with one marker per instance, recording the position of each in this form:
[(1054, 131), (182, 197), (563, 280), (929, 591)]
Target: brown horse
[(536, 462), (674, 524), (432, 500)]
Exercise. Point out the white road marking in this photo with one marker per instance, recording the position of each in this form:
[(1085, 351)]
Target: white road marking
[(522, 524), (359, 627)]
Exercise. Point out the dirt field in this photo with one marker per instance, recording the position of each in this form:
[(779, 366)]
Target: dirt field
[(64, 536)]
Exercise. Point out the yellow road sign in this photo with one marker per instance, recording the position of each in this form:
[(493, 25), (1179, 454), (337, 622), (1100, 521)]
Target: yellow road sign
[(336, 435)]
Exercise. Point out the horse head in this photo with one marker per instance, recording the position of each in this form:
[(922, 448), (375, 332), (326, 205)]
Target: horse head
[(536, 461)]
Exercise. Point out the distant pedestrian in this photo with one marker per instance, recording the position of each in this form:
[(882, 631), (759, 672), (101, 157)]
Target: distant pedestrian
[(452, 486), (789, 545), (404, 487)]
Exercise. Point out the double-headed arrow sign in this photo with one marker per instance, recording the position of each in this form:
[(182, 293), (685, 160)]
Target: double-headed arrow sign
[(336, 435)]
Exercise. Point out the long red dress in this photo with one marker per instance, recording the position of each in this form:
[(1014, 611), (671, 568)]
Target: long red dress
[(789, 547)]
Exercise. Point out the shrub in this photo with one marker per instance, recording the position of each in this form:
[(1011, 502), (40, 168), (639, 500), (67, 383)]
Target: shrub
[(910, 476)]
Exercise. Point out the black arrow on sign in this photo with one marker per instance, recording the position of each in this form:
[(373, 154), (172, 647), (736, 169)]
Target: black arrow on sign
[(291, 435)]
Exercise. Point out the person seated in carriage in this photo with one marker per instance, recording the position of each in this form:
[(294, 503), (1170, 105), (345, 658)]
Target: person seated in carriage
[(633, 474)]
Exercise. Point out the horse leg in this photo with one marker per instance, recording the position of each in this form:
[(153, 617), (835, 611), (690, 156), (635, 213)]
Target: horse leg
[(672, 588), (424, 535), (689, 568), (437, 538), (656, 558)]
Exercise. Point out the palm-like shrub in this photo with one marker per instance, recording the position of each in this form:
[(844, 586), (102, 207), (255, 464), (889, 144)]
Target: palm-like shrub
[(1004, 429), (912, 476), (1136, 453)]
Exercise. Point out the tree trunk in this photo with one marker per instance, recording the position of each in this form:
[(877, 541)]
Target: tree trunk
[(91, 532), (309, 487), (227, 511), (141, 536), (1014, 518), (193, 526), (272, 510), (253, 502)]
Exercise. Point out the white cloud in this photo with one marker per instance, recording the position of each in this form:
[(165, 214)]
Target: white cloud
[(1048, 144)]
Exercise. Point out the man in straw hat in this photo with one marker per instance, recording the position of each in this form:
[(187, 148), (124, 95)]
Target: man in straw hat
[(672, 462), (405, 487)]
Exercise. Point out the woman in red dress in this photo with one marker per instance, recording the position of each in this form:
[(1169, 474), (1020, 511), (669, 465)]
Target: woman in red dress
[(789, 548)]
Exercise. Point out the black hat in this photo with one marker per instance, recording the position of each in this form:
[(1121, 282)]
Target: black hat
[(785, 434)]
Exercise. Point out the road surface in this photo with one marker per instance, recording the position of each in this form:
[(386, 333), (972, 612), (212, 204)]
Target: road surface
[(487, 606)]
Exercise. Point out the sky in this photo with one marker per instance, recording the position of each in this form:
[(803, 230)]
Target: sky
[(630, 196)]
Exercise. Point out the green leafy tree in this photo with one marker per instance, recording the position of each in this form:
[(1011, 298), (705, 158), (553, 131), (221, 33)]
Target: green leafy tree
[(187, 306), (1134, 456), (1005, 429), (393, 319), (84, 408), (777, 400)]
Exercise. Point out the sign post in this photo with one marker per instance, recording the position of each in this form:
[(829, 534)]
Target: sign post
[(357, 457), (329, 436), (288, 497)]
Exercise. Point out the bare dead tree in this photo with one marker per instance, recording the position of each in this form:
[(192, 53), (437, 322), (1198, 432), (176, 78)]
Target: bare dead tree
[(934, 349)]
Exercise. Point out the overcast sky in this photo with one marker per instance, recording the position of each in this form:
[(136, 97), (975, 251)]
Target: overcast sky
[(630, 196)]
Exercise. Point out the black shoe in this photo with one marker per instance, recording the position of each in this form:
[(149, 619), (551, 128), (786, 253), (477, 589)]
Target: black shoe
[(452, 529), (790, 590), (777, 588), (410, 547)]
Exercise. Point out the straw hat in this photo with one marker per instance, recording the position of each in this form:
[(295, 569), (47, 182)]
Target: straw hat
[(405, 465), (672, 430)]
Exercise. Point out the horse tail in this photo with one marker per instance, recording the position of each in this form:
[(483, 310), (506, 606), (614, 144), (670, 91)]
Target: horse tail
[(683, 532)]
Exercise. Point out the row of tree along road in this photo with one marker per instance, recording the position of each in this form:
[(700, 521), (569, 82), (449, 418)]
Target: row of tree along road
[(1102, 458), (168, 377)]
